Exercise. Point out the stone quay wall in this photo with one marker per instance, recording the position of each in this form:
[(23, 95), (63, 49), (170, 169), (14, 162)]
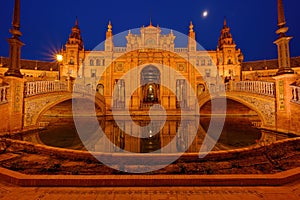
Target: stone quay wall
[(277, 149)]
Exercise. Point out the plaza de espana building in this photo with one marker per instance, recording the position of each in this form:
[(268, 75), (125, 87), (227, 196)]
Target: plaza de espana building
[(152, 52)]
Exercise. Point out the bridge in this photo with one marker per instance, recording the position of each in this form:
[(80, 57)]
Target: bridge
[(39, 96), (258, 96), (273, 107)]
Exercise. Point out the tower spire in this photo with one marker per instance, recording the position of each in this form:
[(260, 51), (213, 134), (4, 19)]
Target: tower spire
[(75, 36), (225, 22), (76, 21), (109, 30), (283, 43), (225, 37), (15, 44)]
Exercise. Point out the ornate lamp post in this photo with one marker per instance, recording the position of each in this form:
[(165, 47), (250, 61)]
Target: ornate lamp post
[(59, 59)]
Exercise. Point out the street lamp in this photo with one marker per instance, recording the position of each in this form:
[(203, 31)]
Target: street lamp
[(59, 59)]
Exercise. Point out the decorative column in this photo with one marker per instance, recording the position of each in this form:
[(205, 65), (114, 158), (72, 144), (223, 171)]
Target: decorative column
[(13, 76), (15, 45), (283, 43), (285, 75)]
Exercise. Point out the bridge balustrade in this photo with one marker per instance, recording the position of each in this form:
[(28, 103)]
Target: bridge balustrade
[(257, 87), (42, 87), (296, 94), (3, 94)]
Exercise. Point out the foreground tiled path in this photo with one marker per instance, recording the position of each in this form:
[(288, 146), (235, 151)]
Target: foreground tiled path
[(287, 192)]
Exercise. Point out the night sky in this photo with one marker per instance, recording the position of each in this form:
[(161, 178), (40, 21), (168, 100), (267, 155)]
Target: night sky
[(46, 24)]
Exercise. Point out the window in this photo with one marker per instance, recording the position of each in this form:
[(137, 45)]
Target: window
[(91, 62), (229, 61), (100, 89), (200, 89), (209, 62), (93, 73), (207, 72), (97, 62), (71, 60), (202, 62)]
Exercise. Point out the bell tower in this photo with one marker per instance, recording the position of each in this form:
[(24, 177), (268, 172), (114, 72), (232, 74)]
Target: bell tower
[(229, 62), (192, 44), (73, 57), (109, 38)]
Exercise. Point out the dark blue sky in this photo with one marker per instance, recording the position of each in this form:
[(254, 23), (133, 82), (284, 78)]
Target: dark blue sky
[(46, 24)]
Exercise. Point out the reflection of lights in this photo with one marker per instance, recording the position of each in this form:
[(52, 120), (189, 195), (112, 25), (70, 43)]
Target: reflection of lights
[(150, 134)]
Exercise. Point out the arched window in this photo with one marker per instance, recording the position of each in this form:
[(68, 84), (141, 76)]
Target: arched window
[(200, 89), (72, 60), (91, 62), (100, 89), (97, 62)]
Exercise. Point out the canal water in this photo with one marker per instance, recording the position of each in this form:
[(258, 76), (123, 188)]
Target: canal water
[(144, 136)]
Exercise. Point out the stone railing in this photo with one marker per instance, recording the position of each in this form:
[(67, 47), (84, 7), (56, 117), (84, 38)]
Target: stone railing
[(296, 94), (3, 94), (87, 90), (84, 89), (181, 50), (119, 49), (257, 87), (42, 87)]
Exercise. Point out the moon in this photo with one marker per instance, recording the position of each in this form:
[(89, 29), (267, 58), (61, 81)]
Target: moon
[(205, 13)]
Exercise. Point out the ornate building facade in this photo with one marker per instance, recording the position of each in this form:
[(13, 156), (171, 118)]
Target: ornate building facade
[(152, 53)]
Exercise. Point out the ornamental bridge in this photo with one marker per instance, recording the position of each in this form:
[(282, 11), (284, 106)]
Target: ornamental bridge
[(39, 96)]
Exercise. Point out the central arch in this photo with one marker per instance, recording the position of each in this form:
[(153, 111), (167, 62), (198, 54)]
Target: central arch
[(150, 81)]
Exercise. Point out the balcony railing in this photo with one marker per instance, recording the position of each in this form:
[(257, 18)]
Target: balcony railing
[(181, 50), (256, 87), (42, 87), (296, 94), (3, 94), (119, 49)]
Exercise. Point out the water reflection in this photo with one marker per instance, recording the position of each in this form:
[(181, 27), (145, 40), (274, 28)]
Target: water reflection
[(238, 132)]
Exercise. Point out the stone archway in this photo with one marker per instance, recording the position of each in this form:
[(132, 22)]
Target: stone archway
[(150, 81)]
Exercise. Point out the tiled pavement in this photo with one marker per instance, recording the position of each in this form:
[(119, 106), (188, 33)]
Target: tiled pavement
[(287, 192)]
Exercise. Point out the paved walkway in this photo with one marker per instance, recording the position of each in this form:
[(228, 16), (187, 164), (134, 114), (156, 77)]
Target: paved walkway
[(287, 192)]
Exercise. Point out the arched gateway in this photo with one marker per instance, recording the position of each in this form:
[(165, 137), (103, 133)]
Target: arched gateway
[(150, 83)]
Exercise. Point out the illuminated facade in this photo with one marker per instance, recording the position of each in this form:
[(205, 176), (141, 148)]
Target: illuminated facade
[(152, 53)]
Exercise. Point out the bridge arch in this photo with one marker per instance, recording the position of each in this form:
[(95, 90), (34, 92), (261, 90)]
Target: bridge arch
[(36, 106), (263, 106)]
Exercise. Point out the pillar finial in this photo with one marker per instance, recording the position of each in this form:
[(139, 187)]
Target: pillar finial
[(282, 43), (109, 27), (191, 27), (281, 17)]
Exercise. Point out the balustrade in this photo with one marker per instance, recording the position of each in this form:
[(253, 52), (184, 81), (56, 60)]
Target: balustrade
[(42, 87), (119, 49), (181, 50), (257, 87), (296, 94), (3, 94)]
